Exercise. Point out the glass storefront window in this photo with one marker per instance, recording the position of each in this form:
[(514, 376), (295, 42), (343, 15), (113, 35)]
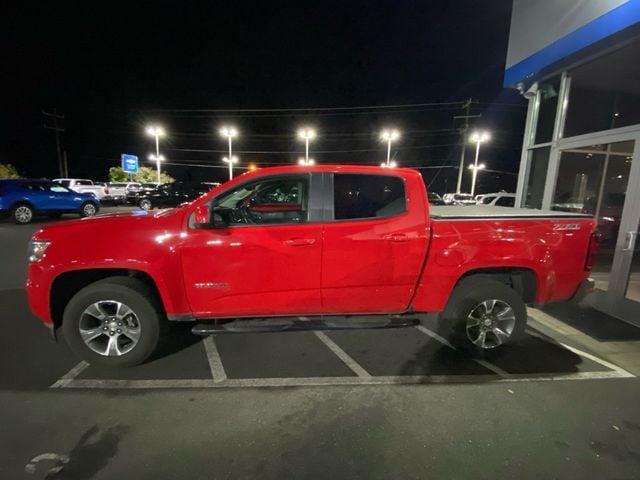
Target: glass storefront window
[(549, 92), (594, 180), (605, 93), (536, 177)]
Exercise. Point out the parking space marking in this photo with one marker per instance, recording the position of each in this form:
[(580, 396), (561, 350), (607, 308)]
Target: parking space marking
[(342, 355), (621, 371), (337, 381), (215, 362), (483, 363), (70, 375)]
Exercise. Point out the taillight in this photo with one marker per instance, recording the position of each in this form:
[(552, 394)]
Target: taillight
[(592, 252), (106, 190)]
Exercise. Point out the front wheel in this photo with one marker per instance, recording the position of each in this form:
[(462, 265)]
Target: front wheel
[(113, 322), (88, 209), (485, 314)]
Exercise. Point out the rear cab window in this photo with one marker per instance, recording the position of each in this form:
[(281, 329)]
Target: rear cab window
[(362, 196)]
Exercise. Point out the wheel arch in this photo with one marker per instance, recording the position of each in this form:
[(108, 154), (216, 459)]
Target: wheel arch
[(67, 284), (521, 279)]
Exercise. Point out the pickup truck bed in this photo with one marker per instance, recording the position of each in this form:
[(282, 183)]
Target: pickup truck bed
[(485, 212)]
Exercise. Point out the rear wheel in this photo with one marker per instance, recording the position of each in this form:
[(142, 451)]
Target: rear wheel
[(88, 209), (114, 322), (485, 314), (22, 213), (145, 204)]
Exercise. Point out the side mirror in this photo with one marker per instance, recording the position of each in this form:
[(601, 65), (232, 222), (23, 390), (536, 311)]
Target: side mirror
[(202, 217)]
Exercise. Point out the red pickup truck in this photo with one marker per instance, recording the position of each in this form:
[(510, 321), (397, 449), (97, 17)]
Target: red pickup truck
[(303, 247)]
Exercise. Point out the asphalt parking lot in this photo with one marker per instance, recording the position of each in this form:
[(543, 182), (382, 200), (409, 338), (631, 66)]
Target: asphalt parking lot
[(349, 404)]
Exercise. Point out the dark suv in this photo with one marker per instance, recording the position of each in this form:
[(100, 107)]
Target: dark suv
[(170, 195)]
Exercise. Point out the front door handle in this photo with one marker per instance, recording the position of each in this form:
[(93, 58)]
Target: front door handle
[(397, 237), (628, 241), (298, 242)]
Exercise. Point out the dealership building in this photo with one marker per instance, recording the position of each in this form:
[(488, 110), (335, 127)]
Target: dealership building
[(578, 64)]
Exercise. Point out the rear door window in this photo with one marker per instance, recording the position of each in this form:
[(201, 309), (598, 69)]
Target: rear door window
[(359, 196)]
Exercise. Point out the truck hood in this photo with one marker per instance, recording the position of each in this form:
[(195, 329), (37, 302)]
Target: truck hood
[(112, 224)]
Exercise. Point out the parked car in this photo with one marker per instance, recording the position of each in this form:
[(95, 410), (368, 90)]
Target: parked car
[(500, 199), (137, 190), (23, 199), (117, 192), (173, 194), (83, 185), (458, 199), (435, 199), (318, 243)]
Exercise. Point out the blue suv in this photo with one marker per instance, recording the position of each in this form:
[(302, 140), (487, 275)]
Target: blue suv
[(23, 199)]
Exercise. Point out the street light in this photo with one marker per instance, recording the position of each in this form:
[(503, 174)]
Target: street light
[(233, 160), (230, 133), (391, 164), (475, 169), (306, 134), (156, 131), (478, 137), (389, 136), (252, 167), (306, 162)]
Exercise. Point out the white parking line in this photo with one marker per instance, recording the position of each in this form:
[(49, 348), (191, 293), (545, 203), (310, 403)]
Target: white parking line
[(215, 362), (326, 381), (342, 355), (444, 341), (70, 375), (623, 373)]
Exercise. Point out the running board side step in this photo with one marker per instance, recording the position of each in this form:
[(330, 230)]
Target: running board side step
[(303, 323)]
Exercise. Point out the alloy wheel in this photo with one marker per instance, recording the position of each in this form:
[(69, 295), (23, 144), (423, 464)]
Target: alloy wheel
[(23, 214), (490, 324), (109, 328)]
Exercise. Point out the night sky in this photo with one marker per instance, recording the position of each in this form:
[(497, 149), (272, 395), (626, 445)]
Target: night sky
[(113, 70)]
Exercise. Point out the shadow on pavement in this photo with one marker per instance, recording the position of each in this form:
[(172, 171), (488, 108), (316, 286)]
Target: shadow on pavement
[(596, 324), (91, 454)]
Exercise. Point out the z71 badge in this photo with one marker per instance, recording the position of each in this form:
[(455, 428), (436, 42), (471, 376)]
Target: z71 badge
[(566, 226)]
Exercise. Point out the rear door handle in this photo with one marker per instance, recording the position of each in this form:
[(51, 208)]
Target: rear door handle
[(298, 242), (397, 237)]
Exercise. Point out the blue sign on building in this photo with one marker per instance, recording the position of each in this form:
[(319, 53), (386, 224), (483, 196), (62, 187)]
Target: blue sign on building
[(129, 163)]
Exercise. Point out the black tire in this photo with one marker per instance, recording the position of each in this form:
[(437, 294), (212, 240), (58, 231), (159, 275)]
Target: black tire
[(131, 292), (22, 213), (466, 300), (89, 209), (145, 204)]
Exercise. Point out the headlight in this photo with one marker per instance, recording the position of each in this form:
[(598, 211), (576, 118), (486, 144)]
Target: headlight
[(36, 249)]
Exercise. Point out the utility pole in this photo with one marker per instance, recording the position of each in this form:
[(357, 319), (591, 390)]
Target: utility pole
[(57, 128), (463, 134)]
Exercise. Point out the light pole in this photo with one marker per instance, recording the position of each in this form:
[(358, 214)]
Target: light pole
[(306, 134), (474, 169), (230, 133), (230, 162), (157, 158), (389, 136), (157, 132), (307, 162), (478, 137)]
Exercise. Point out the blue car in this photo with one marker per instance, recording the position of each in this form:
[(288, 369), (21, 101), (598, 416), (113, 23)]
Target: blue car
[(22, 199)]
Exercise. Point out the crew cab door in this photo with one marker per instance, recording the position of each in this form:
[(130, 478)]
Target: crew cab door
[(376, 245), (262, 253)]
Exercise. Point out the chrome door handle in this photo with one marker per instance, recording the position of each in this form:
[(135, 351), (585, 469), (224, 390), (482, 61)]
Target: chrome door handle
[(298, 242), (397, 237), (629, 238)]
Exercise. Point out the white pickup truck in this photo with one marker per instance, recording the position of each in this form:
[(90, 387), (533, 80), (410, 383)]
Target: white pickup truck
[(82, 185)]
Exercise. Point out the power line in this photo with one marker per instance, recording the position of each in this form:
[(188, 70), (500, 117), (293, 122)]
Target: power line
[(308, 109)]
